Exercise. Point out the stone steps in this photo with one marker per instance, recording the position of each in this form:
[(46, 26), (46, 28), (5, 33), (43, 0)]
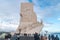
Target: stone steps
[(24, 38)]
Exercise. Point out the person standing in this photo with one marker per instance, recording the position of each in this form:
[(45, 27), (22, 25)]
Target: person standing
[(49, 37), (36, 36), (41, 37), (56, 38), (52, 37)]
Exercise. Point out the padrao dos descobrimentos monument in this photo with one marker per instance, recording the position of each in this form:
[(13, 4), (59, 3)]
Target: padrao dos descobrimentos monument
[(28, 21)]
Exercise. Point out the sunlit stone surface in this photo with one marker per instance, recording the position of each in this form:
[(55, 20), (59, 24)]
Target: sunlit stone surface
[(28, 22)]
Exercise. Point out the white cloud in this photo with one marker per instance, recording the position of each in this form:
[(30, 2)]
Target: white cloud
[(8, 27), (9, 15), (58, 18), (47, 24), (52, 27)]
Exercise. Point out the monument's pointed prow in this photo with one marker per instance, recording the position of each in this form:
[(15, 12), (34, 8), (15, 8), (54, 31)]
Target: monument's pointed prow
[(28, 22)]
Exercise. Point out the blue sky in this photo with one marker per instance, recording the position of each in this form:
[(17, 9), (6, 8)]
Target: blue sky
[(47, 10)]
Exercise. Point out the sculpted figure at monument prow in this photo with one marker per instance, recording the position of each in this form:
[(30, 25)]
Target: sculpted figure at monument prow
[(28, 22)]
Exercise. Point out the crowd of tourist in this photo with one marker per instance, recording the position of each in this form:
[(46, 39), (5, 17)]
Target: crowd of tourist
[(36, 37), (49, 37), (52, 37)]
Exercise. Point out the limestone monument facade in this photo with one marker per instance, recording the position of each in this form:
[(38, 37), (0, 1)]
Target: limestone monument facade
[(28, 21)]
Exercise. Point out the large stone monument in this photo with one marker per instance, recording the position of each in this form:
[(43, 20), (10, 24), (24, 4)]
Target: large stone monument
[(28, 21)]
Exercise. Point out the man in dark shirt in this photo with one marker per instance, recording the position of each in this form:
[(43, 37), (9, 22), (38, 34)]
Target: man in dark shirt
[(36, 36), (56, 38), (49, 37)]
